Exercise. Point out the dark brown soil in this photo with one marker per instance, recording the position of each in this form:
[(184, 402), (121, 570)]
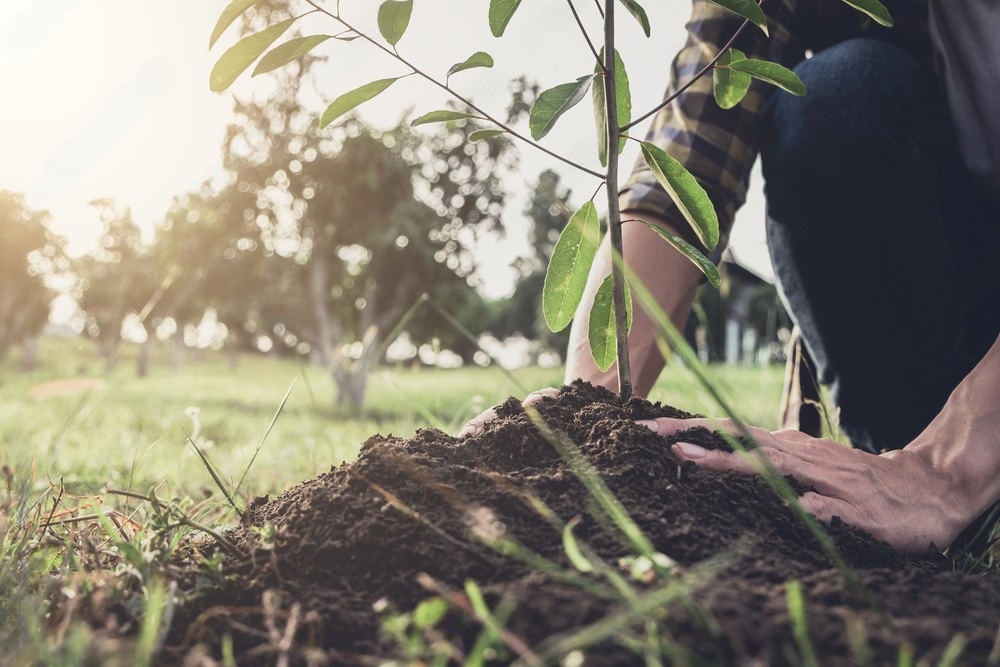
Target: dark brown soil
[(362, 532)]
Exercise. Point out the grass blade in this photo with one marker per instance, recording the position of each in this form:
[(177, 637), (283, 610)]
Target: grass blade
[(215, 475), (263, 439)]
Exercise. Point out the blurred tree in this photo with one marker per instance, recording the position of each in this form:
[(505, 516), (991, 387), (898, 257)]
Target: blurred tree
[(29, 254), (356, 224), (119, 282), (209, 241)]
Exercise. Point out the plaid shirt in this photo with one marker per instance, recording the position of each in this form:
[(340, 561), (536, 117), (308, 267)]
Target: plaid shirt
[(719, 146)]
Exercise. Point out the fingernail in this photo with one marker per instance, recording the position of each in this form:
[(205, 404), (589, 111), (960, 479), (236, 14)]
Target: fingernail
[(648, 423), (691, 451)]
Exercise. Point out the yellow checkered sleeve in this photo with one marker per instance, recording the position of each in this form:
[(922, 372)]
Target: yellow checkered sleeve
[(718, 146)]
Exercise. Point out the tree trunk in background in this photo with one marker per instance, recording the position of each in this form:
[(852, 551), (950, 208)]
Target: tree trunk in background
[(145, 357), (233, 351), (318, 290), (29, 354), (352, 381), (177, 349), (351, 387)]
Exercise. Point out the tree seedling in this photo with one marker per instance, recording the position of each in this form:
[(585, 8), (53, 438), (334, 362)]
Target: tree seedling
[(608, 86)]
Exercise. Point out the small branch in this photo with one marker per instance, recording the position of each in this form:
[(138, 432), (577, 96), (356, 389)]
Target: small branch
[(415, 70), (596, 191), (670, 98), (583, 30), (600, 10)]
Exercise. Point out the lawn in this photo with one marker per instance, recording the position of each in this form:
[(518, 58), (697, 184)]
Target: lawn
[(133, 433), (75, 589)]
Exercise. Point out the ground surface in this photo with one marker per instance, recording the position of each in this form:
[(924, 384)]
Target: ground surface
[(325, 551)]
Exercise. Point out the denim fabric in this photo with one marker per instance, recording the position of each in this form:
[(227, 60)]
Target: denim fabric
[(886, 257)]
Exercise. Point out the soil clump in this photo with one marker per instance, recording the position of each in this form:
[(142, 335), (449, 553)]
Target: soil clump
[(326, 551)]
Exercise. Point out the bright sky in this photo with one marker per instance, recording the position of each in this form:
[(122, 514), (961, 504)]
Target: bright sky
[(109, 98)]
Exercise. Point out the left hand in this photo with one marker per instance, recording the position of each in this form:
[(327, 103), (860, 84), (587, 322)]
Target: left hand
[(897, 497)]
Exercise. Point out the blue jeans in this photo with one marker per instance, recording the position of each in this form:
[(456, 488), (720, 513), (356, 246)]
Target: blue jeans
[(886, 257)]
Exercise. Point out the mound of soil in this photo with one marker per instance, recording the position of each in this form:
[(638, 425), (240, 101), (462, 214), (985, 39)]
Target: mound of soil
[(323, 553)]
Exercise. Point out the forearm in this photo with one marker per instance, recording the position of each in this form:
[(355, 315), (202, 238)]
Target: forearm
[(671, 278), (963, 441)]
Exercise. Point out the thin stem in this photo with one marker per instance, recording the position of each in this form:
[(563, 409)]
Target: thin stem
[(596, 191), (670, 98), (583, 30), (453, 93), (614, 213), (600, 10)]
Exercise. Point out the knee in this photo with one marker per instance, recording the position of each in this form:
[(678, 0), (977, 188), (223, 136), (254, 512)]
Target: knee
[(860, 94)]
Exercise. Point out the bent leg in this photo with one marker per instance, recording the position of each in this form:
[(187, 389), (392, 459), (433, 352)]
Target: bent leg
[(870, 226)]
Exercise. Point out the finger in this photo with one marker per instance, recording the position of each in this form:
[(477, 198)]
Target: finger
[(755, 462), (825, 508), (475, 425), (537, 396), (668, 426)]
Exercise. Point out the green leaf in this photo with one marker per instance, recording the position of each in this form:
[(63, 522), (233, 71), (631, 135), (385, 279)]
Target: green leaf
[(291, 50), (639, 13), (501, 12), (729, 85), (393, 17), (553, 103), (351, 99), (429, 613), (346, 38), (477, 59), (624, 105), (476, 599), (602, 331), (687, 193), (242, 54), (572, 549), (232, 12), (566, 275), (748, 9), (773, 73), (482, 135), (442, 116), (706, 265), (874, 9)]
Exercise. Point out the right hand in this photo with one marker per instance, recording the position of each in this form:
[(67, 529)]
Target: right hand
[(475, 426)]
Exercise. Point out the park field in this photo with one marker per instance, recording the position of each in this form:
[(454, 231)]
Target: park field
[(73, 421), (133, 532)]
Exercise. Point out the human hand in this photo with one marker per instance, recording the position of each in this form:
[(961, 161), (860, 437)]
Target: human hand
[(475, 425), (897, 497)]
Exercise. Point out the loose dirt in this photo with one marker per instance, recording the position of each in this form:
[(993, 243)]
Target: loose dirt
[(323, 553)]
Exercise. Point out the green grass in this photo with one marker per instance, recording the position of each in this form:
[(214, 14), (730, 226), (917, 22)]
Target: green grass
[(131, 432), (64, 447)]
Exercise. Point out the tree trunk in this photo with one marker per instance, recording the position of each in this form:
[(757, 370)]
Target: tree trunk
[(351, 386), (177, 349), (318, 290), (233, 351), (29, 354), (145, 358), (352, 382)]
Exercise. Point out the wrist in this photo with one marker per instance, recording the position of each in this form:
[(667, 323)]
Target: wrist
[(963, 450)]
